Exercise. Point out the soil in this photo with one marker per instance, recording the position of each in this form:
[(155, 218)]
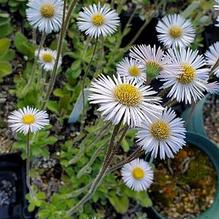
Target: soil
[(185, 186), (7, 105), (211, 118)]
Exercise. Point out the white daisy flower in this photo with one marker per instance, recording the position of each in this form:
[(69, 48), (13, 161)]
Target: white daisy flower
[(189, 82), (123, 99), (27, 120), (212, 56), (47, 59), (97, 20), (162, 137), (131, 69), (174, 30), (45, 15), (137, 175), (213, 88), (154, 59)]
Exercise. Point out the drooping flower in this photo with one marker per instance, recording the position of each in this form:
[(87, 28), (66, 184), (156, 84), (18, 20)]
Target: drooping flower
[(45, 15), (28, 119), (212, 56), (137, 175), (162, 137), (47, 59), (189, 82), (123, 99), (131, 69), (175, 31), (97, 20), (154, 59)]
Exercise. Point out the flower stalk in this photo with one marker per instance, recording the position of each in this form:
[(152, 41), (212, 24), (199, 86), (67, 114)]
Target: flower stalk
[(32, 75), (103, 171), (28, 165), (86, 72), (65, 23)]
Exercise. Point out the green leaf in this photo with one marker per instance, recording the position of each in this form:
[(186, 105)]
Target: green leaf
[(190, 9), (4, 46), (41, 195), (125, 145), (120, 203), (53, 106), (58, 92), (141, 197), (31, 207), (75, 70), (5, 25), (9, 56), (5, 69), (23, 45)]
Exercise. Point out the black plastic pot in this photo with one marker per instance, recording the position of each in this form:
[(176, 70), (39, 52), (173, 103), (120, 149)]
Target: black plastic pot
[(13, 204), (212, 151)]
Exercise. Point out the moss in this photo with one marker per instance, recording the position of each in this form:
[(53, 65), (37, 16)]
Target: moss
[(185, 184)]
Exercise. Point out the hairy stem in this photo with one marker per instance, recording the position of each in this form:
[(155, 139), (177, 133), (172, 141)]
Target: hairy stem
[(28, 166), (100, 175), (34, 36), (101, 133), (137, 153), (86, 72), (149, 18), (32, 75), (65, 23), (215, 66), (96, 153), (129, 22)]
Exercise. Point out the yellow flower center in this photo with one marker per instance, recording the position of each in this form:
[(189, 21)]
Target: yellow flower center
[(134, 71), (175, 31), (97, 19), (28, 119), (127, 94), (188, 74), (160, 130), (47, 57), (47, 10), (138, 173)]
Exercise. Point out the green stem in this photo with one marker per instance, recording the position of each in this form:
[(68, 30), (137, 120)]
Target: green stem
[(170, 103), (100, 175), (112, 3), (100, 61), (214, 67), (101, 133), (149, 18), (86, 73), (32, 75), (129, 22), (115, 147), (151, 160), (75, 193), (34, 36), (95, 154), (65, 23), (137, 153), (28, 166)]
